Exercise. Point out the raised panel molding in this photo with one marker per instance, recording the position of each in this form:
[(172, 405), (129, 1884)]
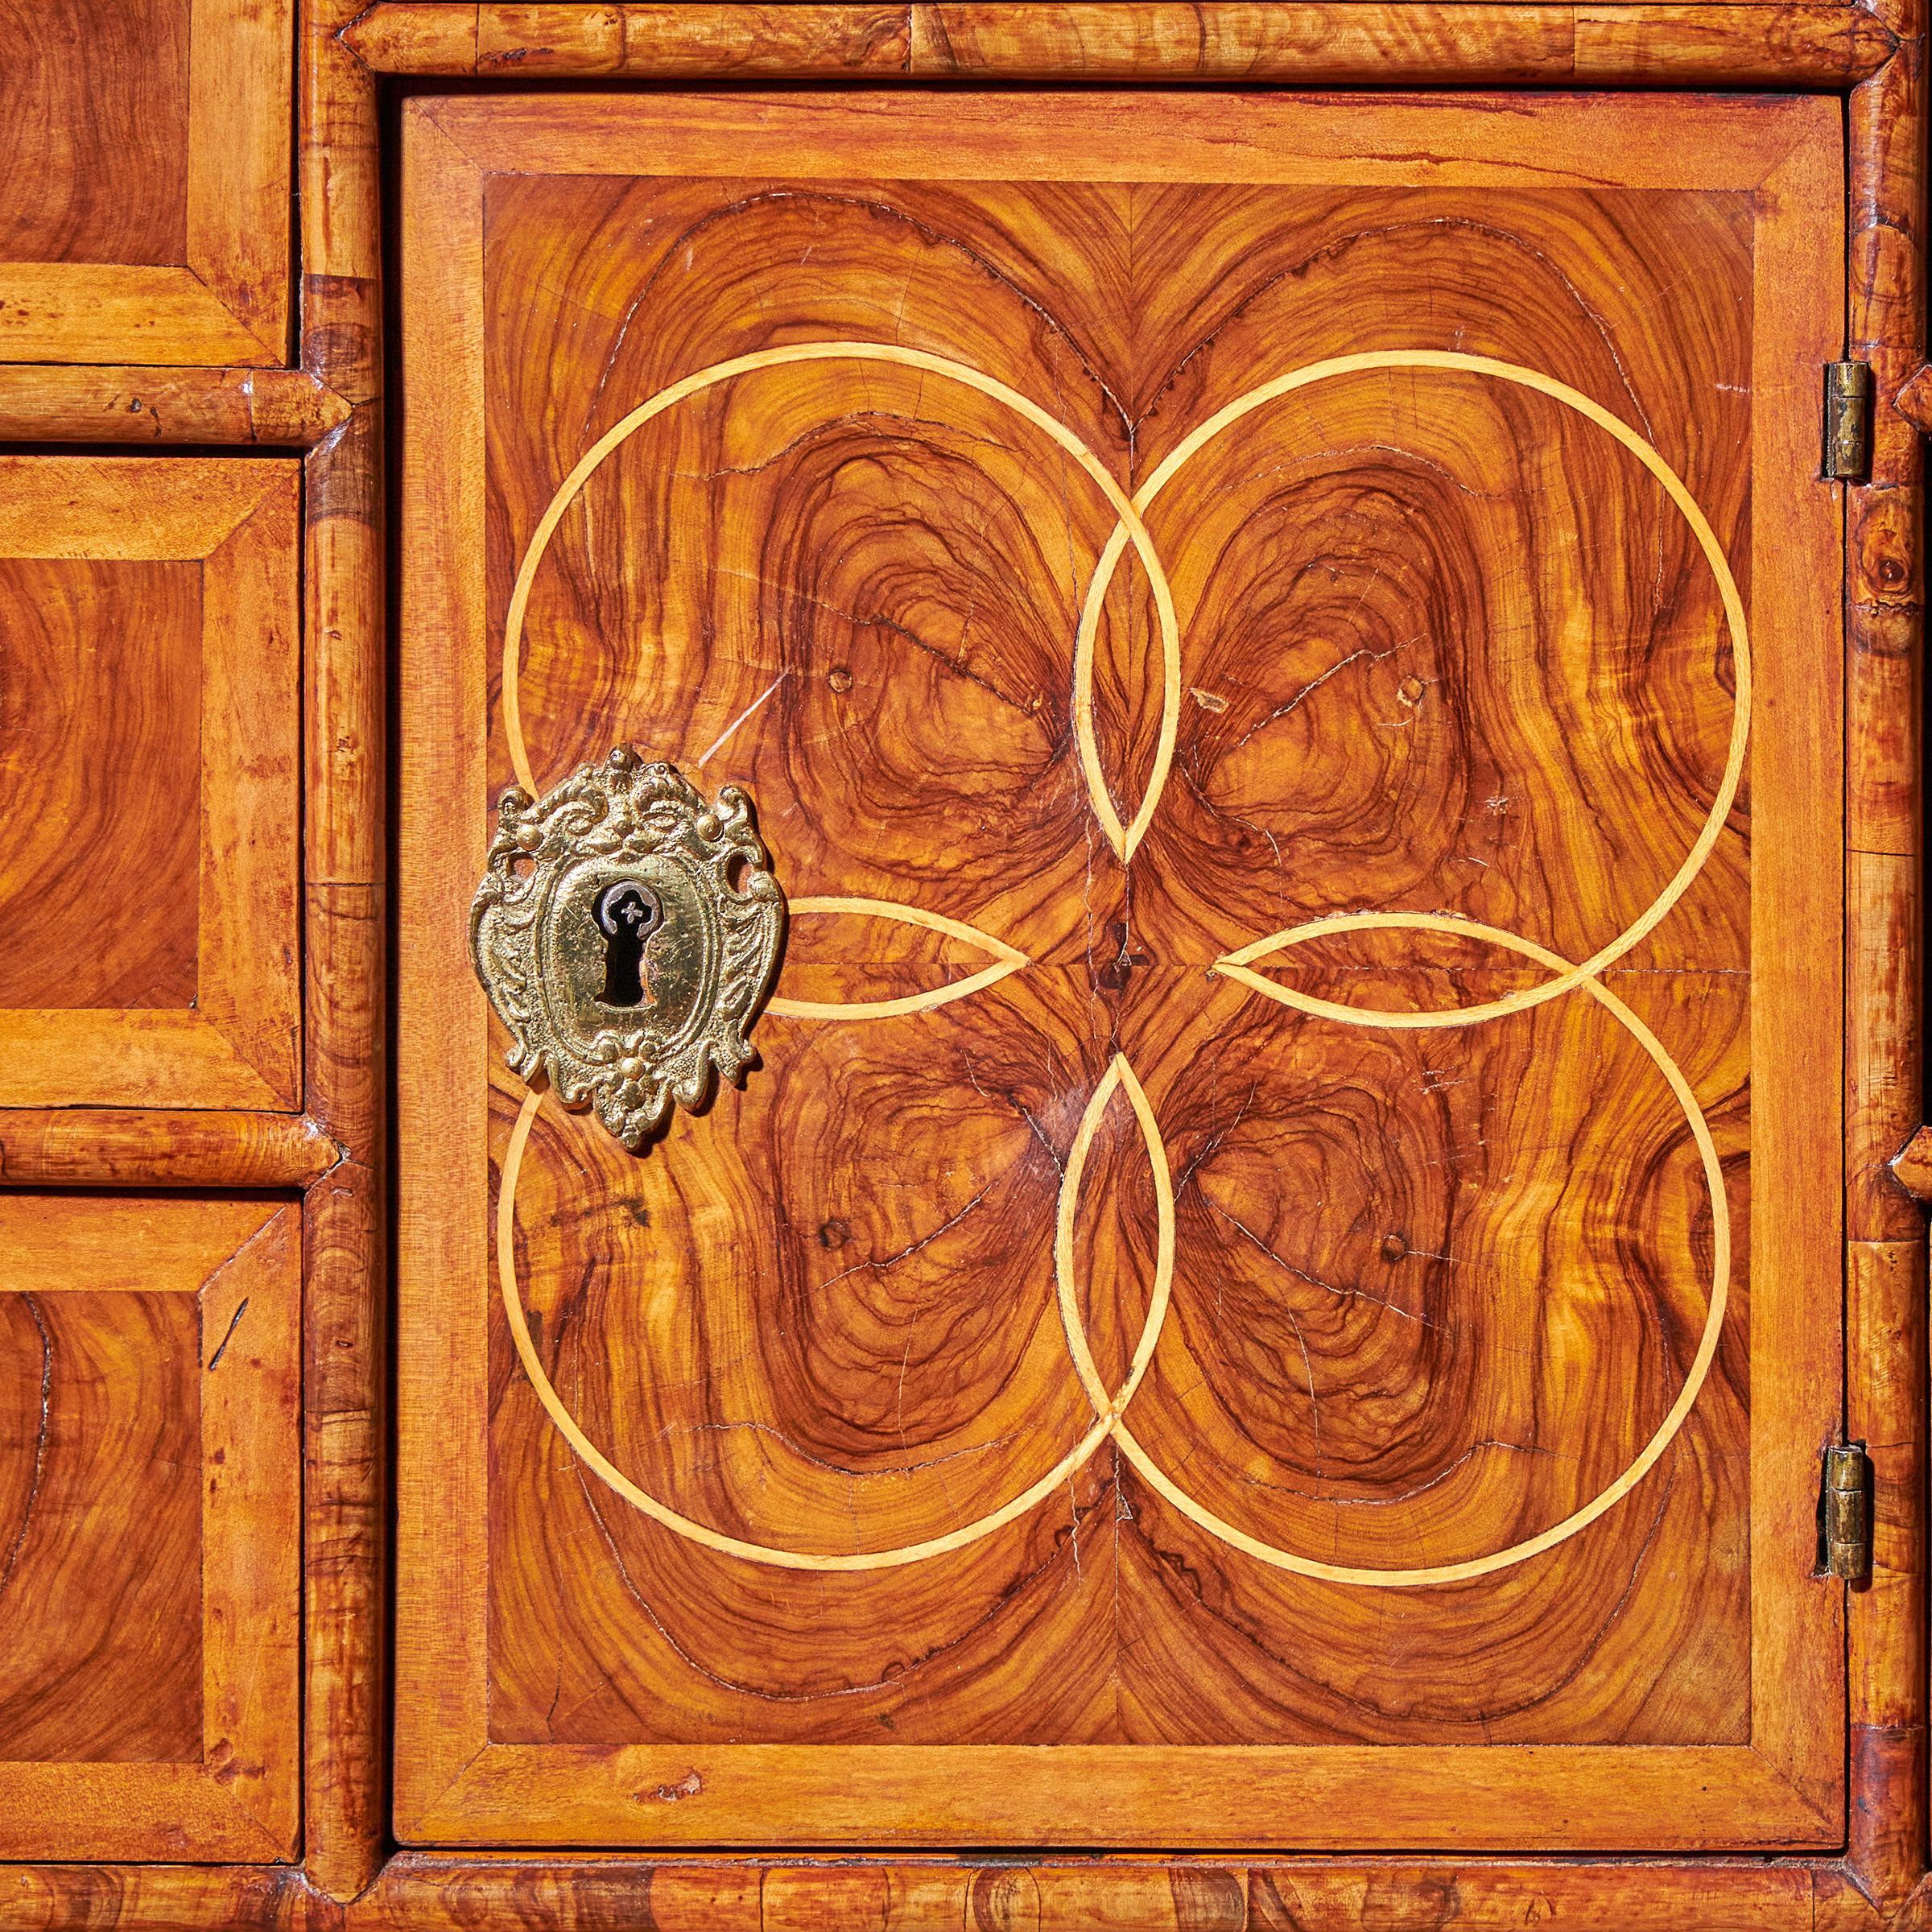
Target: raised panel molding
[(149, 1476), (148, 858)]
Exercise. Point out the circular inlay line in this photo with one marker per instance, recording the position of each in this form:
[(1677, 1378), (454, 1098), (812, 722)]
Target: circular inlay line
[(776, 1555), (1416, 1577), (1109, 1410), (1127, 528), (1120, 1076), (1687, 507), (1005, 959)]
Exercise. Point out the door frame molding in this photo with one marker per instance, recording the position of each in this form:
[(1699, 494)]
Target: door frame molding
[(465, 1777)]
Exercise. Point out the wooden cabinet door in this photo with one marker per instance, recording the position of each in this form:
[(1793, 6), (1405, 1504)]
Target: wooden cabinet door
[(1276, 1280), (149, 1548), (149, 649)]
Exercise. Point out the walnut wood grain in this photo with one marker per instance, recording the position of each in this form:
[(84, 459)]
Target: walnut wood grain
[(149, 218), (1914, 400), (1912, 1166), (1056, 1895), (675, 41), (1885, 1261), (99, 1147), (118, 1679), (438, 1890), (346, 1397), (1585, 46), (105, 663), (1884, 589), (148, 1562), (1388, 43), (605, 1631), (345, 1338), (1885, 1304), (274, 408), (1887, 1770), (125, 107), (151, 639)]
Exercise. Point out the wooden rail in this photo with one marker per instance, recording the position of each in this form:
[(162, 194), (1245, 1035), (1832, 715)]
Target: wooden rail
[(262, 408), (1885, 1261), (1328, 42), (74, 1147)]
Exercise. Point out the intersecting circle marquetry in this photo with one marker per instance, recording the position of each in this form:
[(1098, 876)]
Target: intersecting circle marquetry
[(1131, 528), (1109, 1407)]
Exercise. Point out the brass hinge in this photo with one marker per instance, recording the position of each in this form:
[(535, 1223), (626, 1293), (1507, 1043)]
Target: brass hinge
[(1848, 420), (1844, 1514)]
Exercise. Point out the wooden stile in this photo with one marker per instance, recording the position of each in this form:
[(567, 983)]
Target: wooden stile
[(1886, 1264), (345, 1348)]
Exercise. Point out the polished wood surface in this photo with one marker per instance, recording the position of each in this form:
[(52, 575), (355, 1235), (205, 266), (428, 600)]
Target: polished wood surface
[(439, 1891), (126, 108), (151, 1147), (345, 777), (1886, 1256), (147, 153), (1378, 42), (1589, 46), (673, 40), (149, 1396), (105, 659), (147, 859), (1389, 617), (272, 408)]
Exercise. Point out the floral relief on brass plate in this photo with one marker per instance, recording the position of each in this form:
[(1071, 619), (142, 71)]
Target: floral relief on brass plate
[(627, 933)]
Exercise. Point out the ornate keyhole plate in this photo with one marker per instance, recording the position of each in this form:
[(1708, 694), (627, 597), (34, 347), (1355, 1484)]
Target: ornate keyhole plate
[(627, 933)]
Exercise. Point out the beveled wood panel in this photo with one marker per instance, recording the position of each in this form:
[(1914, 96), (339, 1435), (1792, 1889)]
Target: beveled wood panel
[(149, 744), (103, 1667), (106, 663), (147, 153), (94, 86), (149, 1393), (1104, 1322)]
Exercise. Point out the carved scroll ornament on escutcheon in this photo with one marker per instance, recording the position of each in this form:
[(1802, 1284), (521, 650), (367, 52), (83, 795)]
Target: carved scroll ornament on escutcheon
[(627, 933)]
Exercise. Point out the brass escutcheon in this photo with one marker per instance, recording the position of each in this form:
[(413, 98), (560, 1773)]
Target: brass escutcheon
[(627, 934)]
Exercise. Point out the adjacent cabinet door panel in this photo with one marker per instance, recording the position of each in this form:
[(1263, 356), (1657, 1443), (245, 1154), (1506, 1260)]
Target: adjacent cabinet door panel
[(149, 1553), (1273, 1281), (150, 749)]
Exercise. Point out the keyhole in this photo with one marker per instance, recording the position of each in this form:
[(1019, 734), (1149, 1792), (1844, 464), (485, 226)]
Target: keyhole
[(628, 914)]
